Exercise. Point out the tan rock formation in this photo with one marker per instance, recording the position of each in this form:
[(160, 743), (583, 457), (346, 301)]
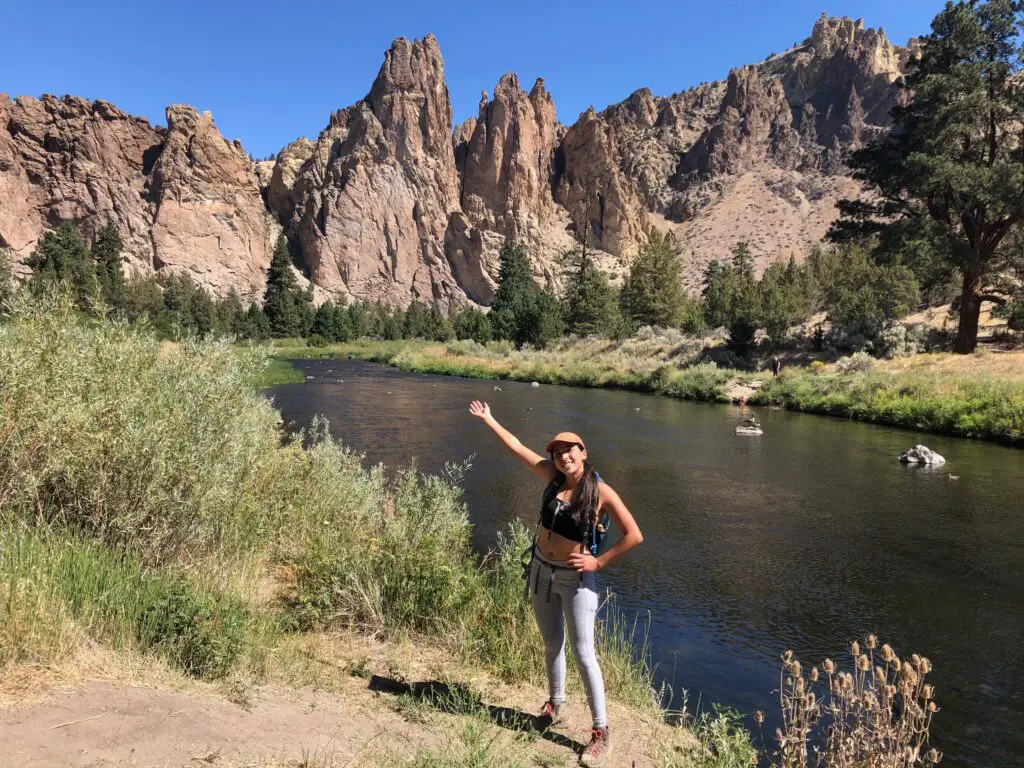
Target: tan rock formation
[(210, 219), (506, 158), (372, 201), (74, 160), (754, 122), (600, 198)]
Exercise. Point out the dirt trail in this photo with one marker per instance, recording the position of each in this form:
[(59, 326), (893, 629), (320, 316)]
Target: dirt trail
[(105, 724), (359, 721)]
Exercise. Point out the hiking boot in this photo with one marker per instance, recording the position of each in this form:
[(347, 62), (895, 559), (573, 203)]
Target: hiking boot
[(550, 714), (599, 748)]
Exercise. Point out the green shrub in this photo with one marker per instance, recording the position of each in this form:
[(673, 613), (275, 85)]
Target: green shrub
[(202, 635), (151, 446), (316, 340), (57, 587)]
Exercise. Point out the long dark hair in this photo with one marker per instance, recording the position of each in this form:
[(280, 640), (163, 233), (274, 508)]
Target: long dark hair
[(586, 497)]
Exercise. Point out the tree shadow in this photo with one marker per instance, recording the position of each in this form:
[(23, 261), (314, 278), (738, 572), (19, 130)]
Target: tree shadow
[(460, 699)]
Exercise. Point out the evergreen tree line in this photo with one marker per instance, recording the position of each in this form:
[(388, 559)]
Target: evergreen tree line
[(859, 296)]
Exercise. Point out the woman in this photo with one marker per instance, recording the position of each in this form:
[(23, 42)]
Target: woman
[(562, 580)]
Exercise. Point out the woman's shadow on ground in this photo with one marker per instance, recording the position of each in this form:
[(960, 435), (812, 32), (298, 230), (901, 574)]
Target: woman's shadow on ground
[(460, 699)]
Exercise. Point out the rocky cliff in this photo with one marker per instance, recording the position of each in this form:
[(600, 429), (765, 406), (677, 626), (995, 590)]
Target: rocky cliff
[(390, 203)]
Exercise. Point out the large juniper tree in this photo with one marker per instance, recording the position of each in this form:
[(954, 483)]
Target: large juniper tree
[(950, 175)]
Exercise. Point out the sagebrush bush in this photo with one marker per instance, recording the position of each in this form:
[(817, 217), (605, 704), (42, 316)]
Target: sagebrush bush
[(144, 444)]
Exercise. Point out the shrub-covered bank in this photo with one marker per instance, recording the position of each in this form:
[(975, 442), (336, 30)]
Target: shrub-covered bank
[(150, 503), (977, 401)]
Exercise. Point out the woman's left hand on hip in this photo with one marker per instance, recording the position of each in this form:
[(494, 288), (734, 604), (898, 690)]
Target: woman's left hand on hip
[(583, 562)]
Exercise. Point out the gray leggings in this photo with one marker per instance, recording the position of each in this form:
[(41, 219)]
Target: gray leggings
[(567, 594)]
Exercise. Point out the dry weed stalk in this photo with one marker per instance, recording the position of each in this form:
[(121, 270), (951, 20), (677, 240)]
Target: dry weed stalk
[(876, 716)]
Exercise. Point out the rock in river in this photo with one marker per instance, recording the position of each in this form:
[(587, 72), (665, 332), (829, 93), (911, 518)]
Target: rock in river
[(919, 454)]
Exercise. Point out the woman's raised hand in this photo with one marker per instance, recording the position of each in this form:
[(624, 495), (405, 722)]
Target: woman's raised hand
[(480, 410)]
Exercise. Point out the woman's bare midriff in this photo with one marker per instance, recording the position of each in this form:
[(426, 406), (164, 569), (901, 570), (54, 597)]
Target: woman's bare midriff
[(554, 546)]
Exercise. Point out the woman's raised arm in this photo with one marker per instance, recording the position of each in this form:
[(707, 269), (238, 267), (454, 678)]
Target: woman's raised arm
[(534, 461)]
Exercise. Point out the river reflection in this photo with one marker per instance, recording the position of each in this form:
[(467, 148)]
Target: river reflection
[(804, 538)]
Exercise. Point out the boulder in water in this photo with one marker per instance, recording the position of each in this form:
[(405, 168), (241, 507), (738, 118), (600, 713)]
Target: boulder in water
[(535, 384), (920, 454)]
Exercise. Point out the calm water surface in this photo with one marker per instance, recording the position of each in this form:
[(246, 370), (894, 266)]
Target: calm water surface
[(804, 538)]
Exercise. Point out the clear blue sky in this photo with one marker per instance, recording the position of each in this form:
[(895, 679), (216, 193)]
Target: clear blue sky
[(273, 71)]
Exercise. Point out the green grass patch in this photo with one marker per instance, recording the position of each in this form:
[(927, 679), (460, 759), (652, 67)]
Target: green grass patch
[(279, 372), (56, 589), (977, 407)]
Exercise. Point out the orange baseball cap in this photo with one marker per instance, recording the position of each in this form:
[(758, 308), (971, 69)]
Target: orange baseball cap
[(566, 437)]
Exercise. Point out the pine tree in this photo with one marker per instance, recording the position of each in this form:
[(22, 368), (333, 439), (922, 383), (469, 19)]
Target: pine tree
[(62, 257), (471, 323), (341, 330), (231, 314), (323, 321), (439, 326), (540, 322), (949, 175), (652, 293), (514, 295), (282, 302), (591, 305), (257, 326), (106, 252), (415, 321), (143, 299), (358, 321)]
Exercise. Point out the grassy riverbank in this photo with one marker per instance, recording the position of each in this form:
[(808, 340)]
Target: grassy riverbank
[(977, 396), (151, 507)]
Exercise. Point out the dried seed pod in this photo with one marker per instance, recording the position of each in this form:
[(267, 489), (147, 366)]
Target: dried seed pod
[(814, 674), (887, 653), (915, 660), (800, 687), (787, 656), (933, 756), (759, 717), (871, 641), (829, 666), (879, 672), (926, 665), (933, 707), (795, 669), (863, 663), (927, 692), (855, 649)]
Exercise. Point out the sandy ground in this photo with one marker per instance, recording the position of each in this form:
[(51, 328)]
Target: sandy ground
[(355, 702)]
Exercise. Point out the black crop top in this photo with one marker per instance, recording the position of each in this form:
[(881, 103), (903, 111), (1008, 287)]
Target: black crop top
[(556, 516)]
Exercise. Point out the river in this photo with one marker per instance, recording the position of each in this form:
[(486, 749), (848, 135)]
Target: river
[(804, 538)]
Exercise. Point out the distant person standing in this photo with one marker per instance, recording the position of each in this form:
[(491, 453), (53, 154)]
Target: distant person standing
[(566, 555), (776, 365)]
